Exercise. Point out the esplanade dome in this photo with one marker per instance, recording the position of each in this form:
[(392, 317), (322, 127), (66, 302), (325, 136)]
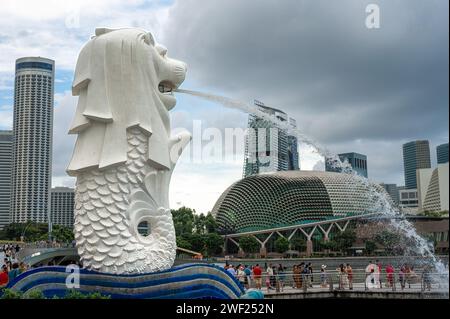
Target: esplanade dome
[(287, 198)]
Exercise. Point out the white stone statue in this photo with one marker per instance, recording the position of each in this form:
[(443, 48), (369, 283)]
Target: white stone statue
[(124, 155)]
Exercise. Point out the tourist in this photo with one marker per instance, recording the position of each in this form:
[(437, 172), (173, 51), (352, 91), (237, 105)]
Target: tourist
[(281, 276), (310, 277), (427, 277), (390, 275), (401, 276), (14, 272), (323, 277), (378, 271), (248, 274), (270, 277), (231, 270), (257, 272), (240, 273), (342, 276), (4, 276), (22, 267), (349, 272), (296, 276)]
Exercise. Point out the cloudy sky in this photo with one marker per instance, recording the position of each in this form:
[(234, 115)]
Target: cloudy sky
[(349, 87)]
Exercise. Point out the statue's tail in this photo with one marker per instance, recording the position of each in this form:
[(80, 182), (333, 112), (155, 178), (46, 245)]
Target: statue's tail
[(110, 206)]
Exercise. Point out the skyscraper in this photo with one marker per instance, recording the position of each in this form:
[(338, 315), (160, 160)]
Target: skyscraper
[(62, 206), (5, 176), (32, 139), (442, 153), (416, 155), (357, 161), (393, 191), (270, 147)]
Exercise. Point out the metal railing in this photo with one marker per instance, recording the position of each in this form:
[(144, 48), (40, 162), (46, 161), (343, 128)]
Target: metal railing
[(358, 280)]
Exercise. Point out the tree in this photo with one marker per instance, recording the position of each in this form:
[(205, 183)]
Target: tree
[(391, 241), (370, 247), (281, 245), (249, 244), (183, 243), (210, 223), (213, 244), (183, 220), (298, 243), (344, 240)]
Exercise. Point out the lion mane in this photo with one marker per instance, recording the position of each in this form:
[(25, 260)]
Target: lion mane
[(116, 79)]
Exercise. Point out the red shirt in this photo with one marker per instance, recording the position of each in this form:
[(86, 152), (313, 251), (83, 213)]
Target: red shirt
[(3, 278), (257, 272)]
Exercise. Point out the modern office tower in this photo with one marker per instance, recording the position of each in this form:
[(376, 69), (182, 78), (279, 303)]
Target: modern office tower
[(392, 190), (416, 155), (270, 147), (32, 139), (5, 176), (357, 161), (442, 153), (408, 200), (62, 206)]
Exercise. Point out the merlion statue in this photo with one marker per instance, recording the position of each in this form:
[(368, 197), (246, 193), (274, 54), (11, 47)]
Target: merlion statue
[(124, 155)]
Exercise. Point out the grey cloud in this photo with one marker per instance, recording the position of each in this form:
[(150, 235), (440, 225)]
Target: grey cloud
[(318, 61)]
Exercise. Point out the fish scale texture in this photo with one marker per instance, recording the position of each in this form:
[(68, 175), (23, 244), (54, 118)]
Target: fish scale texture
[(110, 204)]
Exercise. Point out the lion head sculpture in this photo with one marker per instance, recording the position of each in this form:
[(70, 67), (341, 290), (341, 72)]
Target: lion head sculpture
[(123, 79)]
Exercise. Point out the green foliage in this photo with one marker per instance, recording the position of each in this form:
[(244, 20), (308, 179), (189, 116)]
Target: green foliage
[(249, 244), (213, 244), (36, 231), (281, 245), (11, 294), (197, 232), (328, 244), (298, 243), (434, 213), (183, 220), (183, 243), (370, 247), (75, 294), (35, 294), (344, 240)]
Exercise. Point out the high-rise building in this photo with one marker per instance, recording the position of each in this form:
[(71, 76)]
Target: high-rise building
[(442, 153), (416, 155), (270, 147), (32, 139), (432, 187), (357, 161), (62, 206), (392, 190), (408, 200), (5, 176)]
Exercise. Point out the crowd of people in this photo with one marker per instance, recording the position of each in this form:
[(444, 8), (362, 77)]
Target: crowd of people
[(301, 276), (11, 267)]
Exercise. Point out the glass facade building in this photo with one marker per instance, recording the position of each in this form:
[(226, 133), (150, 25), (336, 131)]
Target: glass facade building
[(356, 160), (32, 139), (392, 190), (416, 155), (270, 147), (442, 153), (6, 138)]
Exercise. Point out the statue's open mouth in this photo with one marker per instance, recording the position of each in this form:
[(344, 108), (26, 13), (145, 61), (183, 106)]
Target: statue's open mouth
[(166, 87)]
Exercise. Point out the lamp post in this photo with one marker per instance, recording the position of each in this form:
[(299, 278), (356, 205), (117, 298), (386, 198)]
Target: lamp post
[(22, 237)]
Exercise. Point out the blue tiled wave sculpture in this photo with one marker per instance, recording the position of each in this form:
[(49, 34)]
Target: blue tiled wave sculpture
[(188, 281)]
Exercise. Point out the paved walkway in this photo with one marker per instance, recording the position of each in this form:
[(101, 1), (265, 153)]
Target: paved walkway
[(357, 287)]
